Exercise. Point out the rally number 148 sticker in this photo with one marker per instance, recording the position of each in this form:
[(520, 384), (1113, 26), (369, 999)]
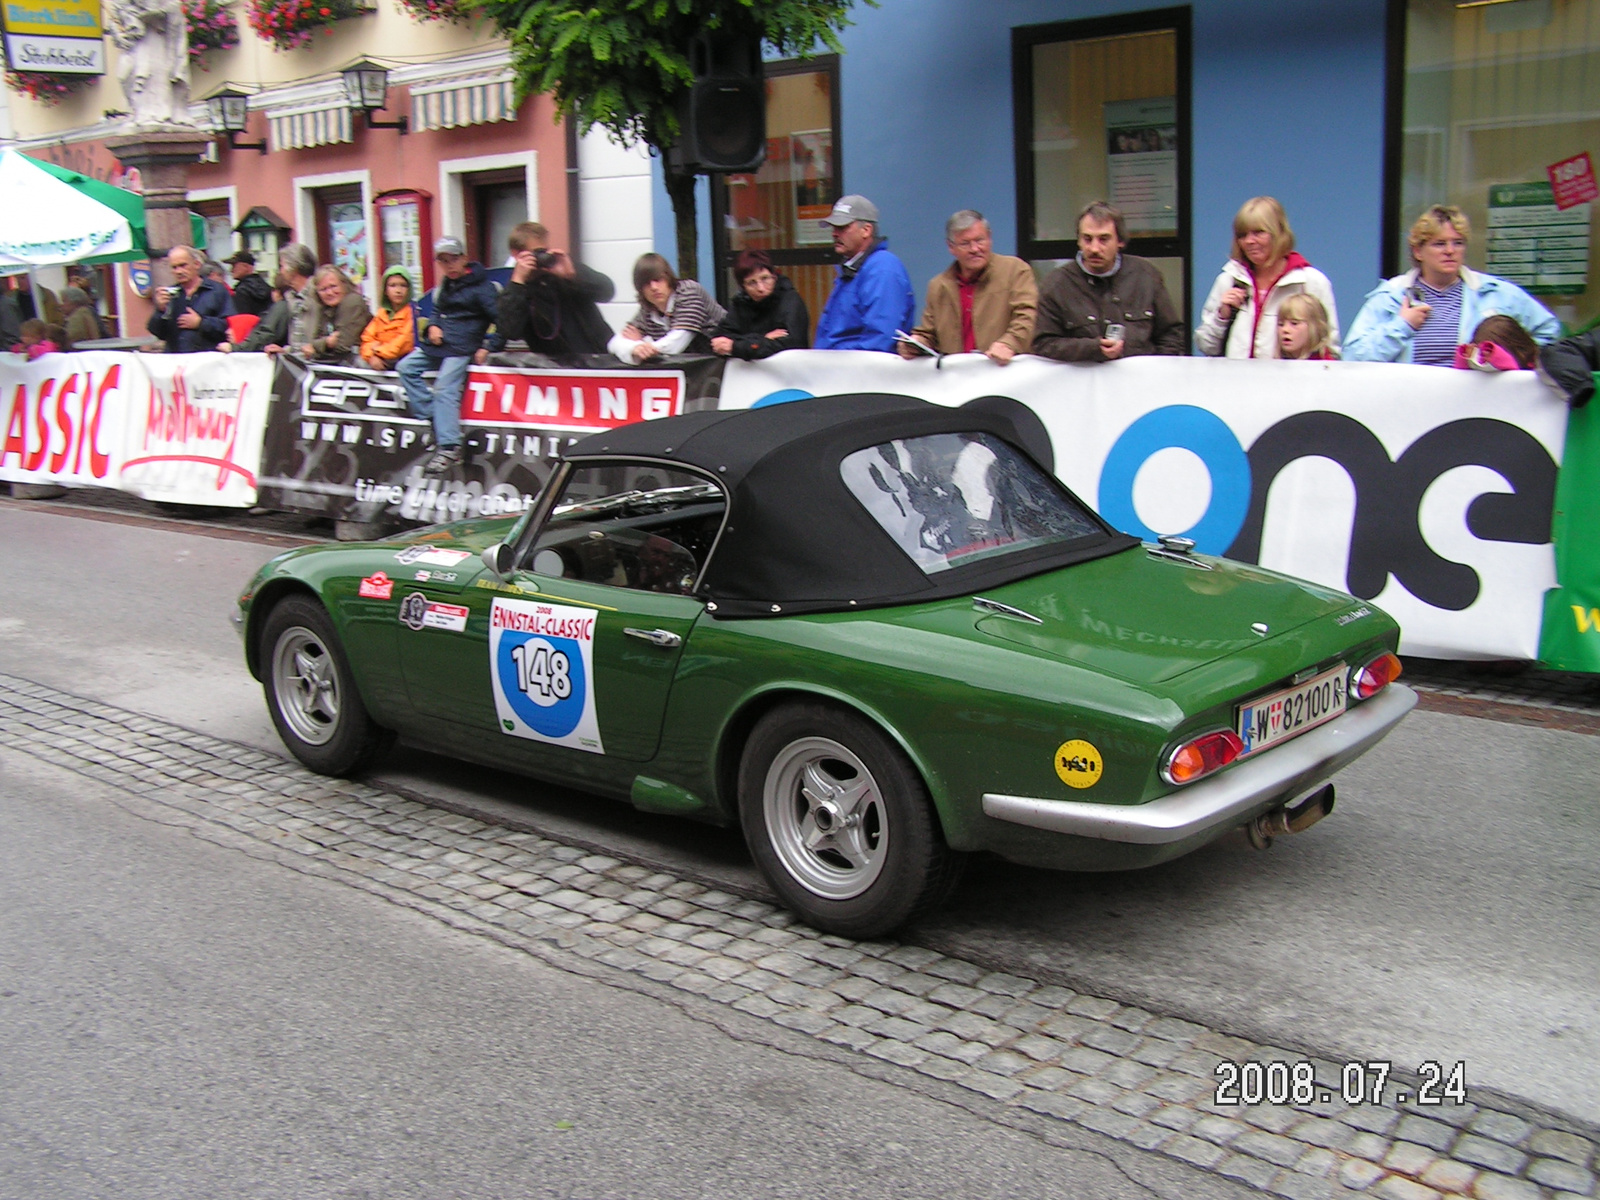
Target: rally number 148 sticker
[(541, 658)]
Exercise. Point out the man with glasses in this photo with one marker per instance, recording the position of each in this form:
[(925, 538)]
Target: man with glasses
[(984, 303)]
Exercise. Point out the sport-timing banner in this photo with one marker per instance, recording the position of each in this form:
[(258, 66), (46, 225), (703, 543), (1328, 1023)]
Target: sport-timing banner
[(342, 443), (182, 428), (1428, 491)]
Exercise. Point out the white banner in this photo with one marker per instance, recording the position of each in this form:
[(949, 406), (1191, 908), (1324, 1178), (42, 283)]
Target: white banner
[(181, 428), (1428, 491)]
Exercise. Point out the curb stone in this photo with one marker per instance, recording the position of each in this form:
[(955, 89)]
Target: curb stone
[(1084, 1061)]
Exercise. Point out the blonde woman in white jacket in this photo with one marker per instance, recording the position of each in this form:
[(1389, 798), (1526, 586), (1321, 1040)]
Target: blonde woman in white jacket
[(1240, 318)]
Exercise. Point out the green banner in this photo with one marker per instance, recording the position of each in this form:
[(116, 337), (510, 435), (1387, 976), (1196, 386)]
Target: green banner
[(1569, 639)]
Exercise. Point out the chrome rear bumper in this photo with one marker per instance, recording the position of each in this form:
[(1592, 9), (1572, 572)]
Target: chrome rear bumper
[(1228, 799)]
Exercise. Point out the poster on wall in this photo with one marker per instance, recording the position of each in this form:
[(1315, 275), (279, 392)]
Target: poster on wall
[(811, 168), (1142, 163), (402, 237), (1535, 243), (347, 223)]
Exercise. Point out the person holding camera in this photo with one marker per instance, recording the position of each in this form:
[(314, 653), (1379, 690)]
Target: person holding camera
[(551, 302), (194, 315), (1423, 315), (1104, 305), (1240, 317)]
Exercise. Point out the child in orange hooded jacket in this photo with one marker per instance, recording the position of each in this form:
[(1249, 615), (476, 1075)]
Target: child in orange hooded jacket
[(392, 332)]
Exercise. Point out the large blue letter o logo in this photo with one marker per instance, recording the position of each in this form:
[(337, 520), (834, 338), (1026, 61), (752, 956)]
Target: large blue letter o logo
[(1209, 438)]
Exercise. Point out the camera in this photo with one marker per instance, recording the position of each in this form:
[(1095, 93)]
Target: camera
[(544, 259)]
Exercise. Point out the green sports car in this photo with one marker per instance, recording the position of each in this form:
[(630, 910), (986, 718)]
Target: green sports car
[(873, 631)]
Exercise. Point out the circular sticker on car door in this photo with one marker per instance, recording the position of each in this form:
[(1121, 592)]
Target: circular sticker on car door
[(541, 661)]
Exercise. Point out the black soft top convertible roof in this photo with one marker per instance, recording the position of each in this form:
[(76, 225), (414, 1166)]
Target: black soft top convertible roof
[(796, 539)]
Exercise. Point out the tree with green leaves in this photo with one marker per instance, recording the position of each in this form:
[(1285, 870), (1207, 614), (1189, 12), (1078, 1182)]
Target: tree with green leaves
[(624, 64)]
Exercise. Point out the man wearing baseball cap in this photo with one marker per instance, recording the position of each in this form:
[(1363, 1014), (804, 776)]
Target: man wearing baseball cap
[(465, 303), (252, 295), (872, 297)]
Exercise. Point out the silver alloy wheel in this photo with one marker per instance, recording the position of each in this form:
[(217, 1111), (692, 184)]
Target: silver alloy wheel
[(306, 684), (826, 819)]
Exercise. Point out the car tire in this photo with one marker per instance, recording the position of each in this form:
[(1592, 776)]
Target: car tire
[(311, 693), (882, 860)]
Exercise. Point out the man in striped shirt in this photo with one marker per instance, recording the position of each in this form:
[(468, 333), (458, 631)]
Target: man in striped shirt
[(1423, 315)]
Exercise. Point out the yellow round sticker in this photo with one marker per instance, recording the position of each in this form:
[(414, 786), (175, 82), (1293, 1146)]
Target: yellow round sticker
[(1079, 764)]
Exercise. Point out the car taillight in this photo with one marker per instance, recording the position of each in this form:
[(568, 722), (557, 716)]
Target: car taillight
[(1372, 678), (1200, 756)]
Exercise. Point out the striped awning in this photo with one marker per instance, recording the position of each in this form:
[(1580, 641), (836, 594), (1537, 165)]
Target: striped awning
[(451, 103), (309, 127)]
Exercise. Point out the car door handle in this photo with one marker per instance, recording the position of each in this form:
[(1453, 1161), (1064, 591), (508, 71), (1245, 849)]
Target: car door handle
[(656, 637)]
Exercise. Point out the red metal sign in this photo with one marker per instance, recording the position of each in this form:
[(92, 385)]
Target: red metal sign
[(1572, 181)]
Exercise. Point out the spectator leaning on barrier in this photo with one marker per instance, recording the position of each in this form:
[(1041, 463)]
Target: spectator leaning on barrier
[(78, 315), (342, 316), (1423, 315), (872, 298), (1571, 364), (252, 295), (273, 329), (296, 265), (766, 316), (552, 303), (1104, 292), (1498, 344), (984, 302), (192, 316), (392, 332), (1240, 316), (676, 316), (465, 304)]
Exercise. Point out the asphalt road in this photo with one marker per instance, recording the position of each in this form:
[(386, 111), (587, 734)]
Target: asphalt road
[(1445, 912), (180, 1019)]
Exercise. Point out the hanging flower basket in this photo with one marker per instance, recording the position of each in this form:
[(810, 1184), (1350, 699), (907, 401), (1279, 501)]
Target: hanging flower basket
[(291, 24), (46, 87), (456, 11), (212, 26)]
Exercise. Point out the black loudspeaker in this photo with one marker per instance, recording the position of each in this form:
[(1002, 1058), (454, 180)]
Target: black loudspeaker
[(722, 122)]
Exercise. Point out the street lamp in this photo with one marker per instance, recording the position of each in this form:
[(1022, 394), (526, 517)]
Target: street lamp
[(366, 90), (229, 110)]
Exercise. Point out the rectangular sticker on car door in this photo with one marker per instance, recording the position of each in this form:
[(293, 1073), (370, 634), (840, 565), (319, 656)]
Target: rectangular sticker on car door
[(541, 658)]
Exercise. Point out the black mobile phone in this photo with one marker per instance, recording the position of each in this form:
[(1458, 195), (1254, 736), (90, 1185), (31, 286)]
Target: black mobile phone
[(1415, 292)]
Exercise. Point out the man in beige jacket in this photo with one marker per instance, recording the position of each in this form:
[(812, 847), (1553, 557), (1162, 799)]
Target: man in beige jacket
[(985, 302)]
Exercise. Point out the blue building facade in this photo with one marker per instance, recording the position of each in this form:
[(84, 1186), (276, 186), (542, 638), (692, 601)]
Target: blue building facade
[(1310, 101)]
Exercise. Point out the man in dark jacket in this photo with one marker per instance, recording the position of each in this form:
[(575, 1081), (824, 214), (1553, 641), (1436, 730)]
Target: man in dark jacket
[(1105, 304), (552, 302), (1572, 363), (192, 316), (465, 304), (767, 315), (252, 295)]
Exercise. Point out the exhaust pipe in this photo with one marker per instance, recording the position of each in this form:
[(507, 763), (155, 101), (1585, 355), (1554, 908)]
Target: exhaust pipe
[(1281, 822)]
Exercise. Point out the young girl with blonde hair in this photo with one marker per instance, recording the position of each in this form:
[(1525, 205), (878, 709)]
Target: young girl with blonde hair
[(1303, 330)]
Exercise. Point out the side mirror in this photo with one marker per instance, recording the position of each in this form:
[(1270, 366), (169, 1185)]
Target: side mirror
[(498, 559)]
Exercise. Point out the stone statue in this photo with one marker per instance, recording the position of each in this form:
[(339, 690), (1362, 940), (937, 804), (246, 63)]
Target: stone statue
[(153, 36)]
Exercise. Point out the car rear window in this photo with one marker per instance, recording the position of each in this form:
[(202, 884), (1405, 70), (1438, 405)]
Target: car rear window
[(948, 499)]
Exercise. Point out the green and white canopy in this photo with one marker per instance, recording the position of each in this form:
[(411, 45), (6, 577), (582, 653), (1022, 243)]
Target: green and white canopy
[(47, 222)]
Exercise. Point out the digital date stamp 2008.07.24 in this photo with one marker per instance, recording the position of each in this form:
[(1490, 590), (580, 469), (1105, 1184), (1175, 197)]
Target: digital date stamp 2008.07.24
[(1250, 1083)]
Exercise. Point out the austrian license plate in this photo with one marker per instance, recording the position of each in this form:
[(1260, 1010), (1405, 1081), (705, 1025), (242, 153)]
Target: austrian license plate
[(1282, 715)]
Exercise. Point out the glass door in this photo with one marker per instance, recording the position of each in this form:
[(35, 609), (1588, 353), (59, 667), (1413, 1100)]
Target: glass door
[(1102, 113), (780, 207)]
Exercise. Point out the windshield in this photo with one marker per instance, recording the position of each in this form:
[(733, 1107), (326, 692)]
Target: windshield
[(949, 499)]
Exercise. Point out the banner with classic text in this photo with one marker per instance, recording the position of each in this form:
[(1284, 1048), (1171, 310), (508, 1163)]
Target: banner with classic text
[(177, 428)]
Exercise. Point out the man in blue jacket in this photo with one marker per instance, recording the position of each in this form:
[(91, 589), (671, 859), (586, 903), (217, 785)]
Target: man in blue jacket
[(192, 316), (465, 304), (872, 297)]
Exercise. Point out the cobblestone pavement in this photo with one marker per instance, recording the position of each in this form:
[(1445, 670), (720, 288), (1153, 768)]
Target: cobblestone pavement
[(1143, 1078), (1506, 683)]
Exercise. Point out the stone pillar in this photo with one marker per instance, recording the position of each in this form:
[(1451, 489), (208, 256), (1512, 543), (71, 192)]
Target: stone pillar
[(163, 157)]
